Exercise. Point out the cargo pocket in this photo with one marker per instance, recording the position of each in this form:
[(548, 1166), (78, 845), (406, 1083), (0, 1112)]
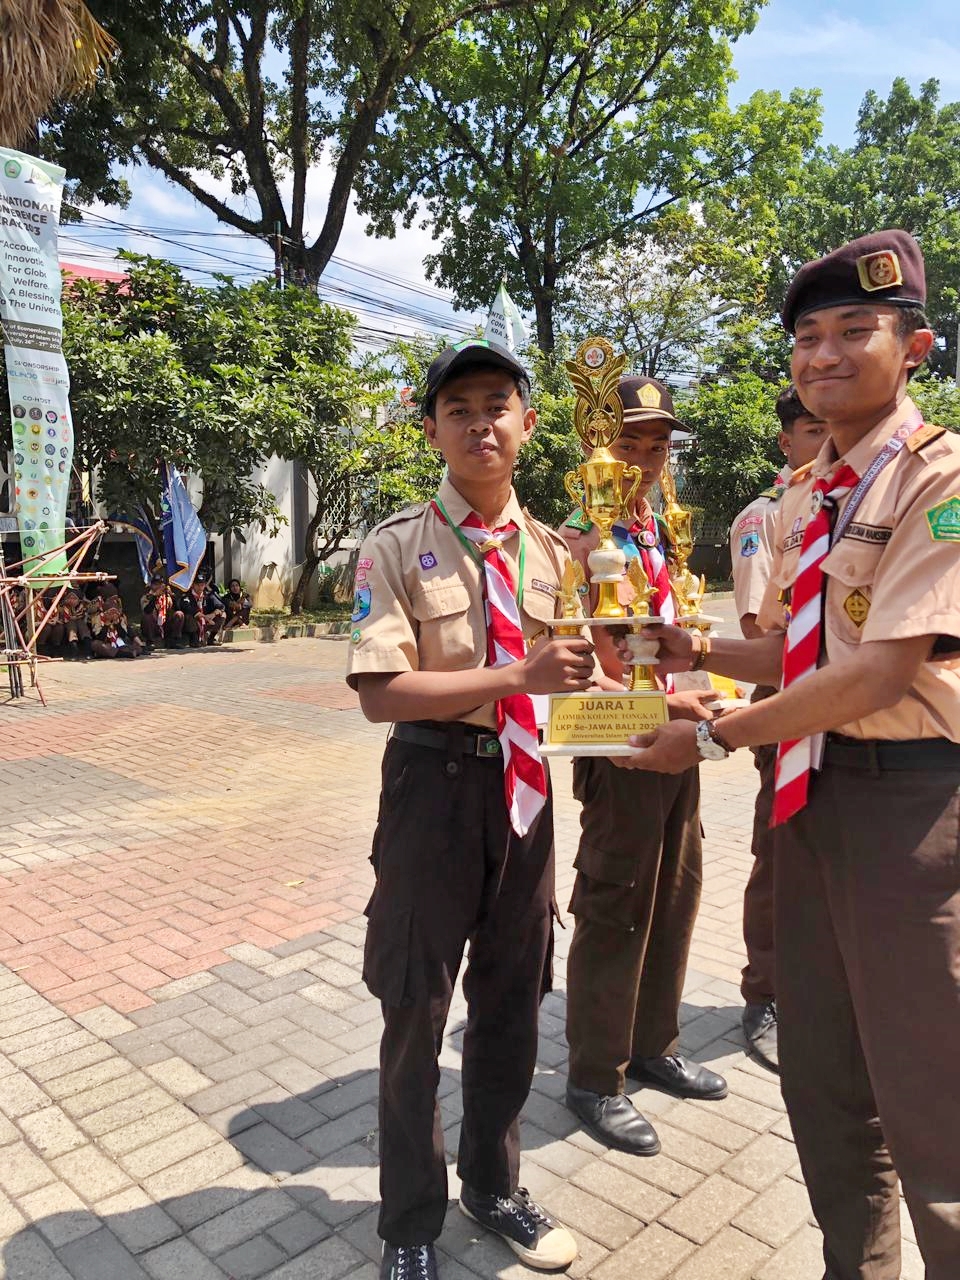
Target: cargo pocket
[(386, 953)]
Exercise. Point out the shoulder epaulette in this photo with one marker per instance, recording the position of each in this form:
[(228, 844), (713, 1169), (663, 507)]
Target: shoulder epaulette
[(408, 513), (545, 529), (801, 473), (579, 521), (774, 493), (924, 436)]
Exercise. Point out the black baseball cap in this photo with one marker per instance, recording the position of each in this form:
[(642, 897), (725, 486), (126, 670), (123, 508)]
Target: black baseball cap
[(885, 267), (472, 353)]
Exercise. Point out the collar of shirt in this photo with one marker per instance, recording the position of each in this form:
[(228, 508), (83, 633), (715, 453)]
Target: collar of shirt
[(458, 508), (784, 474), (867, 448)]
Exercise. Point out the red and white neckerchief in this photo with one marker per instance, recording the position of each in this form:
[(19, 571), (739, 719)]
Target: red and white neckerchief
[(643, 540), (524, 777), (796, 757)]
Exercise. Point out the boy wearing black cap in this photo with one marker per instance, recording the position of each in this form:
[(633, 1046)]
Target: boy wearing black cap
[(867, 786), (638, 867), (448, 597)]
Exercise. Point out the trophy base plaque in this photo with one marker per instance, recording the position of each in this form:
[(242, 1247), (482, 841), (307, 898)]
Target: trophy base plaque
[(599, 724)]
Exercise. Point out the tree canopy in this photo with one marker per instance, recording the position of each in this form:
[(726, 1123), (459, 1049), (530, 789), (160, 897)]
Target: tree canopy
[(236, 101), (547, 133), (903, 170)]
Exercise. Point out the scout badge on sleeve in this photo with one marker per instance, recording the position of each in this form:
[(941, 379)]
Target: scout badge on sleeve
[(944, 520)]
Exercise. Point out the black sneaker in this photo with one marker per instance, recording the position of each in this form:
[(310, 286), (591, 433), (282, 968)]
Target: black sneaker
[(529, 1230), (408, 1262)]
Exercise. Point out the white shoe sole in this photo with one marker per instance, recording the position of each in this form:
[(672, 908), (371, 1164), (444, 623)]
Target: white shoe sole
[(538, 1259)]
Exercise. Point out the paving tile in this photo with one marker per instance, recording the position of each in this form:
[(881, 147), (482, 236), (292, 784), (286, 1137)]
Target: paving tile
[(707, 1208), (22, 1170), (135, 1220), (653, 1254), (178, 1259), (249, 1218), (732, 1254), (328, 1260), (629, 1193), (177, 1076), (762, 1162), (774, 1216), (596, 1218), (51, 1132), (251, 1259), (27, 1256), (92, 1174), (100, 1256), (156, 1156), (58, 1213)]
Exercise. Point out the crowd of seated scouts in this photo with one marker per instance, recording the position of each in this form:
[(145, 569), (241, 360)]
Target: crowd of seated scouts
[(94, 623)]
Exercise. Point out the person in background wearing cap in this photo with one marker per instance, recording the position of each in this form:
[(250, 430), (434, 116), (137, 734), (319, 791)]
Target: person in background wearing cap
[(463, 849), (867, 792), (751, 555), (638, 881)]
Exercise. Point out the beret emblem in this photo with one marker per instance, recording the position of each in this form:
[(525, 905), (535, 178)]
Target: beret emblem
[(879, 271)]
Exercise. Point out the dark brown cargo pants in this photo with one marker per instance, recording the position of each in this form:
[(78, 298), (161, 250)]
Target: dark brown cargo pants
[(635, 900), (868, 992), (450, 870)]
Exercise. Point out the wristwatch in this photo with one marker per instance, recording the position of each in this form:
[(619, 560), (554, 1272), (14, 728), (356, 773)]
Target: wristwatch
[(709, 744)]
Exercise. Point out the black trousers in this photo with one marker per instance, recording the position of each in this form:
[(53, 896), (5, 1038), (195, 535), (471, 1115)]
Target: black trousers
[(450, 871), (635, 900), (868, 996)]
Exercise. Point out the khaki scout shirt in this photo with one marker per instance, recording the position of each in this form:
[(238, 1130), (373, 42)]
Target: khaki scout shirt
[(894, 574), (420, 593), (751, 546)]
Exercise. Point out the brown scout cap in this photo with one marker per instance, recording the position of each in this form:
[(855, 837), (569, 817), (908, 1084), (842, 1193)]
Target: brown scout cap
[(884, 268), (645, 399)]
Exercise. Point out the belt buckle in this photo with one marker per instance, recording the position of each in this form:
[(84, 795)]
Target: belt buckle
[(488, 744)]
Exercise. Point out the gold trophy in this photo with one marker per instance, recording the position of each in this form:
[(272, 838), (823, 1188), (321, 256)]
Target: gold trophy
[(688, 589), (604, 490)]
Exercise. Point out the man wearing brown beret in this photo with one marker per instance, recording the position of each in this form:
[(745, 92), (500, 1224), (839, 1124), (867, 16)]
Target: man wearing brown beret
[(867, 790)]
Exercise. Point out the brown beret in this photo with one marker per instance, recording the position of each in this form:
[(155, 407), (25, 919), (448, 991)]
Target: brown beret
[(645, 399), (886, 268)]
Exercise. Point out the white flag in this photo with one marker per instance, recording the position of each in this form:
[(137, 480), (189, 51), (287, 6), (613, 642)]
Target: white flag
[(504, 324)]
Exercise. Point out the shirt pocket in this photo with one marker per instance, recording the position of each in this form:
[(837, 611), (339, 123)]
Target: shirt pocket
[(851, 568), (538, 609), (442, 609)]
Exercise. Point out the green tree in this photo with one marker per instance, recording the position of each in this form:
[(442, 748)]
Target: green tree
[(938, 399), (550, 132), (903, 170), (147, 385), (254, 93), (735, 452), (664, 297)]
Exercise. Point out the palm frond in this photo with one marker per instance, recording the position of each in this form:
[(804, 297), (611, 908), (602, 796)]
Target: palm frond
[(49, 49)]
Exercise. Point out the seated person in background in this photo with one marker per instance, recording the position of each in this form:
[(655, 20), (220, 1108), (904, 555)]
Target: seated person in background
[(160, 619), (72, 618), (110, 637), (214, 610), (237, 604), (50, 639), (113, 603)]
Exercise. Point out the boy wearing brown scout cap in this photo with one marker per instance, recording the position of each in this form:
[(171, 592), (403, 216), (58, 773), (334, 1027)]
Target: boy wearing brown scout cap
[(867, 788), (449, 595), (638, 879)]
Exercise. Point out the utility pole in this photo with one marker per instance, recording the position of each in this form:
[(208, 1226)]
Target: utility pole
[(277, 255)]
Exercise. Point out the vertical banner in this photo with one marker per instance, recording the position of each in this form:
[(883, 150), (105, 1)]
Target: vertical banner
[(37, 378)]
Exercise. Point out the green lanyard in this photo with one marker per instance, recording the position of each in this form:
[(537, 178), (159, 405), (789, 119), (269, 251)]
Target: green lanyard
[(479, 558)]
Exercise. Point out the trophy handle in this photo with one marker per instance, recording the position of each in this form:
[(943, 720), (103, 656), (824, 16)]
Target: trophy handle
[(574, 487), (636, 474)]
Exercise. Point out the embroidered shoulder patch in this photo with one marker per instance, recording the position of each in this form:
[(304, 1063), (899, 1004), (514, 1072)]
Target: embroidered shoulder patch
[(579, 521), (944, 520), (774, 493)]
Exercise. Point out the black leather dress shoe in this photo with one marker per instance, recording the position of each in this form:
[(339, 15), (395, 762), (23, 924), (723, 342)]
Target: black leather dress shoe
[(760, 1032), (614, 1121), (678, 1076)]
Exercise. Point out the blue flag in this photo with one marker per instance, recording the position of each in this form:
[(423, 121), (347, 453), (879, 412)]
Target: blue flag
[(148, 553), (184, 537)]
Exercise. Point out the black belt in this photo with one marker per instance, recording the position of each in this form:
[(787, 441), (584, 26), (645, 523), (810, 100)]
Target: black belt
[(466, 740), (877, 755)]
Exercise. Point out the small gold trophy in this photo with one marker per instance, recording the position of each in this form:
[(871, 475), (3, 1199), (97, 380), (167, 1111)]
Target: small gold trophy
[(688, 589), (604, 490)]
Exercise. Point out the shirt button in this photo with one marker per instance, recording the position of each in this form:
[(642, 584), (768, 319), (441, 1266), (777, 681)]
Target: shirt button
[(451, 768)]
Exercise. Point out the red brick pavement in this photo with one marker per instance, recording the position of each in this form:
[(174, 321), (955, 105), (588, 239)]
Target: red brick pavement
[(239, 829)]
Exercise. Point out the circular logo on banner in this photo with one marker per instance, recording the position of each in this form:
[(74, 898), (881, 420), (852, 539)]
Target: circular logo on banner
[(36, 414), (19, 411), (51, 415)]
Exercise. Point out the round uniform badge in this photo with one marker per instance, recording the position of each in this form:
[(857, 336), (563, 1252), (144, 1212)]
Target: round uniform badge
[(816, 502), (648, 538), (355, 636)]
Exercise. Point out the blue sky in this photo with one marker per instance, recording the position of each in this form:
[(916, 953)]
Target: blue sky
[(844, 50)]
